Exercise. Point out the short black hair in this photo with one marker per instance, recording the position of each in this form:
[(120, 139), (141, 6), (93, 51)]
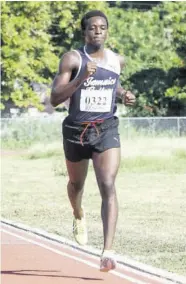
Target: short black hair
[(93, 13)]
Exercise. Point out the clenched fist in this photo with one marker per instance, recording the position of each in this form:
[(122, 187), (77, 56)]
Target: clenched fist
[(90, 68), (129, 98)]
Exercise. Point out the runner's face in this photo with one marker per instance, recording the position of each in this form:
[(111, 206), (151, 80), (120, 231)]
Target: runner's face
[(96, 31)]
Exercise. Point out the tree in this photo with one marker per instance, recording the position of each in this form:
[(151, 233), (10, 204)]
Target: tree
[(27, 55), (34, 35), (174, 19), (144, 38), (140, 5)]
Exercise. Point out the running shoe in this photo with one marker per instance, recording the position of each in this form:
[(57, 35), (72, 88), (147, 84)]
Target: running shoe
[(80, 231), (108, 261)]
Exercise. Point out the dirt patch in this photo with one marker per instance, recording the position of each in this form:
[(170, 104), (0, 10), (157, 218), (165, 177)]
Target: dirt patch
[(12, 152)]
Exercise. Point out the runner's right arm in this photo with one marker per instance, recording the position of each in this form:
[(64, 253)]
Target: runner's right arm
[(62, 88)]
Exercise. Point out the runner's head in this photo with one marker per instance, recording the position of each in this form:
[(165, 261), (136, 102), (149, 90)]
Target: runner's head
[(94, 25)]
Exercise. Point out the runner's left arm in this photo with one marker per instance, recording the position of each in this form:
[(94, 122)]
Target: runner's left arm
[(123, 96)]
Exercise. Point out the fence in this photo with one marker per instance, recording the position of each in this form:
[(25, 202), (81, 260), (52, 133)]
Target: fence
[(47, 129), (154, 126)]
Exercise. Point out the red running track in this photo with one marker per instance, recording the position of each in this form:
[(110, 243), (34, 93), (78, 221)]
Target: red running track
[(28, 258)]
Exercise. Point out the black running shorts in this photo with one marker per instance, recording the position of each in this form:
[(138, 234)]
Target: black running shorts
[(81, 140)]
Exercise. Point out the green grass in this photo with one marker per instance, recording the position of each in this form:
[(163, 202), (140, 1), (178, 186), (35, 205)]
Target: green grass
[(39, 150), (151, 187), (138, 155)]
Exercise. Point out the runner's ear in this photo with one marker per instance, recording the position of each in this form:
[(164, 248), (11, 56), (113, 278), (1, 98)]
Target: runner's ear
[(83, 34)]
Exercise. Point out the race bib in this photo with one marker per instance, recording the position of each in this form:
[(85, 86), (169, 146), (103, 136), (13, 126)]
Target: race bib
[(96, 100)]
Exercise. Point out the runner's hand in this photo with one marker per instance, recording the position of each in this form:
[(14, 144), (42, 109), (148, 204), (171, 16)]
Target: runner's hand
[(129, 98), (90, 68)]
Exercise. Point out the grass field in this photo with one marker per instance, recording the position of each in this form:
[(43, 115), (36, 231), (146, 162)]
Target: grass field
[(151, 186)]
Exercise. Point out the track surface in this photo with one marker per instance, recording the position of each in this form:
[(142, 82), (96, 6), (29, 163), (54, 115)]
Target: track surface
[(28, 258)]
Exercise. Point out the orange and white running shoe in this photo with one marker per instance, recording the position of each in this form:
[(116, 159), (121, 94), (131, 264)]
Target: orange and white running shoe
[(108, 261)]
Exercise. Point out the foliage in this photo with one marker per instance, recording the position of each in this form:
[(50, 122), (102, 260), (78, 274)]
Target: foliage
[(153, 64), (34, 35), (174, 18), (153, 41), (140, 5), (26, 51)]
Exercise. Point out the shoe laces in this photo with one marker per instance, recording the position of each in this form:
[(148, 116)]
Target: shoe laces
[(79, 226)]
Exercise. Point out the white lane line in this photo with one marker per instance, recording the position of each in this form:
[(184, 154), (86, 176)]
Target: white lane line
[(84, 254), (91, 264), (136, 266)]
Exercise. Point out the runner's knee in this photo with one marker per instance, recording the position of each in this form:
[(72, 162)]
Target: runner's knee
[(77, 185), (107, 188)]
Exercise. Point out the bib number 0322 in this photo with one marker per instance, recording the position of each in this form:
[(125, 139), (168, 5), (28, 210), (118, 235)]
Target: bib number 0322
[(96, 100)]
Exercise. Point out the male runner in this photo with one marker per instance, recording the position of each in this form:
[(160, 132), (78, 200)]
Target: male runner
[(88, 82)]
